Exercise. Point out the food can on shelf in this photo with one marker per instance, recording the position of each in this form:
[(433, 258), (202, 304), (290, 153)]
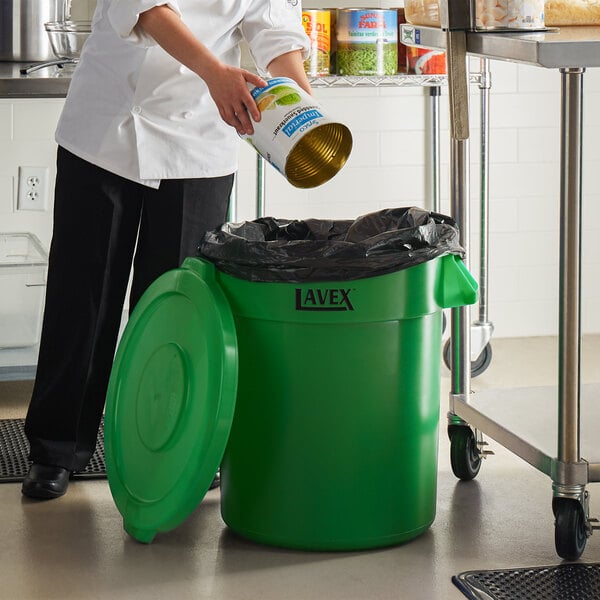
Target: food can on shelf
[(333, 48), (296, 135), (317, 25), (401, 47), (367, 41), (491, 14), (422, 61), (526, 14)]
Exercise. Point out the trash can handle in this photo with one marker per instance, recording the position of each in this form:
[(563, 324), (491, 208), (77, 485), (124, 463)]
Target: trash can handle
[(455, 286)]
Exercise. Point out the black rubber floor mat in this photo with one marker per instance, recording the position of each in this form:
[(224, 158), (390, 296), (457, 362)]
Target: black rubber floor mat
[(577, 581), (14, 449)]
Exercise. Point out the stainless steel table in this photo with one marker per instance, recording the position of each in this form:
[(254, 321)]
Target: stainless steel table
[(571, 50), (50, 82)]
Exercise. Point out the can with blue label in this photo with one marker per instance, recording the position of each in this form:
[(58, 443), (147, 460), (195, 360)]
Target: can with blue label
[(296, 135), (367, 41)]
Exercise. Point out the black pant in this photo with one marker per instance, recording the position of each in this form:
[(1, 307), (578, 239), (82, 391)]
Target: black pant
[(97, 217)]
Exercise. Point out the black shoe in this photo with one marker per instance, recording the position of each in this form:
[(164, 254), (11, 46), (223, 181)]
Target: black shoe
[(45, 481)]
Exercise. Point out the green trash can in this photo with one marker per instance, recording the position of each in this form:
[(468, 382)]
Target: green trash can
[(330, 442)]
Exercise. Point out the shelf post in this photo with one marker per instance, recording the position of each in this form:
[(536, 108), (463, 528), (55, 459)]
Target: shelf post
[(569, 334)]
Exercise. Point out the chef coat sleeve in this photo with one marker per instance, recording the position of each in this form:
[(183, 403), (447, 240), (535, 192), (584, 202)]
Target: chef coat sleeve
[(123, 16), (273, 28)]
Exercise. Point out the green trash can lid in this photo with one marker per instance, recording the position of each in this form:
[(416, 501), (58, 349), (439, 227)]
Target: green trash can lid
[(171, 400)]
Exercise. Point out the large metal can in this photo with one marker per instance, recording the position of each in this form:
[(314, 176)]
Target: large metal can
[(296, 135), (367, 42), (317, 25)]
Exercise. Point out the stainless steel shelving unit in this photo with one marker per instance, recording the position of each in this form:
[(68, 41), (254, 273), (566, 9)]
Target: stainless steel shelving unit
[(570, 50)]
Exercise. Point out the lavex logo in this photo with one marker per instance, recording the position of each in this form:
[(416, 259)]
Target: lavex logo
[(323, 299)]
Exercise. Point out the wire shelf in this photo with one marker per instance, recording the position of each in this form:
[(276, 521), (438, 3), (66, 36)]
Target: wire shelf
[(400, 80)]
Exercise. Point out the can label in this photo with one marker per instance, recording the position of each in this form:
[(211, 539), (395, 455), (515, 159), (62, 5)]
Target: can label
[(317, 25), (491, 14), (421, 61), (287, 114), (367, 42), (526, 14)]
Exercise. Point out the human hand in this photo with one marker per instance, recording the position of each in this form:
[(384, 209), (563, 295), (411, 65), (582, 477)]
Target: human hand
[(229, 90)]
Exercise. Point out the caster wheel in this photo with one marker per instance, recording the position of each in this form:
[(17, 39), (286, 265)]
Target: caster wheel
[(478, 366), (570, 535), (482, 362), (464, 457)]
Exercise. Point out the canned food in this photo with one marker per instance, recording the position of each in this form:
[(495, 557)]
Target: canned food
[(401, 47), (367, 42), (296, 136), (421, 61), (526, 14), (333, 41), (317, 25)]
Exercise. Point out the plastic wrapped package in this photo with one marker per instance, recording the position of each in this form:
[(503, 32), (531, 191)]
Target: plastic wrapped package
[(572, 12), (422, 12), (381, 242), (490, 14)]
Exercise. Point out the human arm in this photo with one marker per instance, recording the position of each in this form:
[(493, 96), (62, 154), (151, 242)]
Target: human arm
[(290, 65), (227, 84)]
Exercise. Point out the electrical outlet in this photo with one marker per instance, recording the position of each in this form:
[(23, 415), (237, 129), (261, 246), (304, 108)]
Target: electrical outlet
[(33, 188)]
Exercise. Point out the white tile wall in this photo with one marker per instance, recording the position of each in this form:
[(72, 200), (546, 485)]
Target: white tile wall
[(389, 167), (30, 142)]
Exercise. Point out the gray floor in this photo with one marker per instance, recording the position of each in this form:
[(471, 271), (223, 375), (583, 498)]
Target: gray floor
[(75, 548)]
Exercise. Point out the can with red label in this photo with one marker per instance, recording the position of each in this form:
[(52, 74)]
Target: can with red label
[(317, 25), (422, 61)]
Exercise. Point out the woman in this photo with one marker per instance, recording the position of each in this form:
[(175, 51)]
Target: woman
[(147, 151)]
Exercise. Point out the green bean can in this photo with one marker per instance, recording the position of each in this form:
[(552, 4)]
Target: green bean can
[(367, 42)]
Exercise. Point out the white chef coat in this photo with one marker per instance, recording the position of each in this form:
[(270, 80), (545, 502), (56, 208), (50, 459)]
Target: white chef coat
[(134, 110)]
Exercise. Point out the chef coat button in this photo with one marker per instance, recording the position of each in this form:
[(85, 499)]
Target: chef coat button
[(188, 114), (137, 109)]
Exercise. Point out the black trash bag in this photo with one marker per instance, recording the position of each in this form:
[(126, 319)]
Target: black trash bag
[(385, 241)]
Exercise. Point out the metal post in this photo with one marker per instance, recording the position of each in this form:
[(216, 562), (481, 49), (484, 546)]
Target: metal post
[(434, 95), (484, 86), (460, 328), (569, 334), (260, 186)]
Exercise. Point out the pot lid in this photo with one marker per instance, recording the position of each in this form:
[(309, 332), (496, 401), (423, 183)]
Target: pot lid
[(171, 400)]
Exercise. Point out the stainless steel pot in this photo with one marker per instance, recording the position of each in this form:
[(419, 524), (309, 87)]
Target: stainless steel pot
[(22, 34)]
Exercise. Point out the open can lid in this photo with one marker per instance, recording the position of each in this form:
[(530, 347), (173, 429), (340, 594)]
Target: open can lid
[(171, 400)]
